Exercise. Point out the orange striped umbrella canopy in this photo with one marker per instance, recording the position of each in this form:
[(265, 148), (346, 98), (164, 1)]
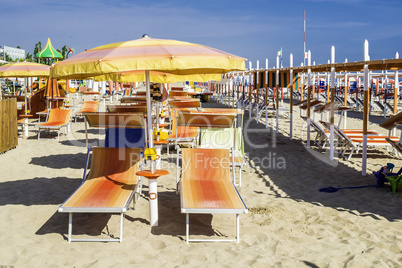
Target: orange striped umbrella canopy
[(148, 54), (24, 69)]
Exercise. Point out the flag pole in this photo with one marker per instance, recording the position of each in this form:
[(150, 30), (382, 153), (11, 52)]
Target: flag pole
[(304, 55)]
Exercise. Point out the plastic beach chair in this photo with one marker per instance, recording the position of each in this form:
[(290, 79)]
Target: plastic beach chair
[(56, 120), (395, 182), (109, 186), (206, 187)]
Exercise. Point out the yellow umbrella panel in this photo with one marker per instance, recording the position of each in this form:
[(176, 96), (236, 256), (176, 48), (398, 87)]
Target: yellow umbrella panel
[(156, 77)]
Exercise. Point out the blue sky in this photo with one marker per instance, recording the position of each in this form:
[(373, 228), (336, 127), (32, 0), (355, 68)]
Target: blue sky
[(254, 29)]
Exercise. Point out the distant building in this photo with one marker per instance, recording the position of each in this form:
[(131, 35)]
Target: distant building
[(14, 53)]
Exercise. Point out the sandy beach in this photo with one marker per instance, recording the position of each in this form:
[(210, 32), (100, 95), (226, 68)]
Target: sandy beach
[(290, 222)]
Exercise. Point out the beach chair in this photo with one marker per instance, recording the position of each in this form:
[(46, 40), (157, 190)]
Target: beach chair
[(122, 129), (224, 138), (56, 120), (206, 187), (353, 140), (182, 134), (109, 186), (87, 107)]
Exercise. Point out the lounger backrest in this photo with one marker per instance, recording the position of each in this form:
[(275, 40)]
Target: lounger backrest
[(127, 109), (173, 93), (206, 164), (187, 103), (390, 123), (90, 106), (176, 89), (115, 164), (59, 115), (181, 130), (219, 138), (199, 119), (113, 120), (317, 127), (338, 132)]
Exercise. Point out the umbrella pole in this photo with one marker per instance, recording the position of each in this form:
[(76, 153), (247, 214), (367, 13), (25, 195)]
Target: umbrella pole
[(149, 114), (26, 112)]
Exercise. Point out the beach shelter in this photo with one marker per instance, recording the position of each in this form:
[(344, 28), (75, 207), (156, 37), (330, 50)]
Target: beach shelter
[(147, 54), (49, 52)]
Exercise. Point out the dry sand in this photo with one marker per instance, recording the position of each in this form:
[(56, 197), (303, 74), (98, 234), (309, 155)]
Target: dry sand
[(289, 224)]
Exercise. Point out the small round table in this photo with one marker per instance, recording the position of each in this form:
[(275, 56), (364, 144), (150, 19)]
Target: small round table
[(26, 116), (153, 192)]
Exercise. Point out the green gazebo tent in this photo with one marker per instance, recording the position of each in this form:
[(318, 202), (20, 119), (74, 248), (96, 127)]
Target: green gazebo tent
[(49, 52)]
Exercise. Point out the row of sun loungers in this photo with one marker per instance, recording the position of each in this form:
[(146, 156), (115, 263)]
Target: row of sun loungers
[(350, 140)]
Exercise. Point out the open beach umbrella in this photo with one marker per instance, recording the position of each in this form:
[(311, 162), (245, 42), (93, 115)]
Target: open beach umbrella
[(23, 70), (148, 54)]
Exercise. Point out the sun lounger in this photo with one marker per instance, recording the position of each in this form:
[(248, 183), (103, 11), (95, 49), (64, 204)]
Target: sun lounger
[(224, 138), (182, 134), (87, 107), (206, 187), (354, 140), (123, 129), (56, 120), (109, 186)]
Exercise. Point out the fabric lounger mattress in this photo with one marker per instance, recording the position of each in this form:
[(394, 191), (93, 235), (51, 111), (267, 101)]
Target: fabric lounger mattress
[(109, 197), (210, 197)]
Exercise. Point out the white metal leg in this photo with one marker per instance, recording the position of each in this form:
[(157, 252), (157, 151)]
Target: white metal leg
[(26, 127), (187, 227), (153, 202), (70, 226), (237, 228)]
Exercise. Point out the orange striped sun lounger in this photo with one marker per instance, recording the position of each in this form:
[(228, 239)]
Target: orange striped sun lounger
[(206, 187), (352, 139), (223, 136), (56, 120), (87, 107), (109, 186)]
